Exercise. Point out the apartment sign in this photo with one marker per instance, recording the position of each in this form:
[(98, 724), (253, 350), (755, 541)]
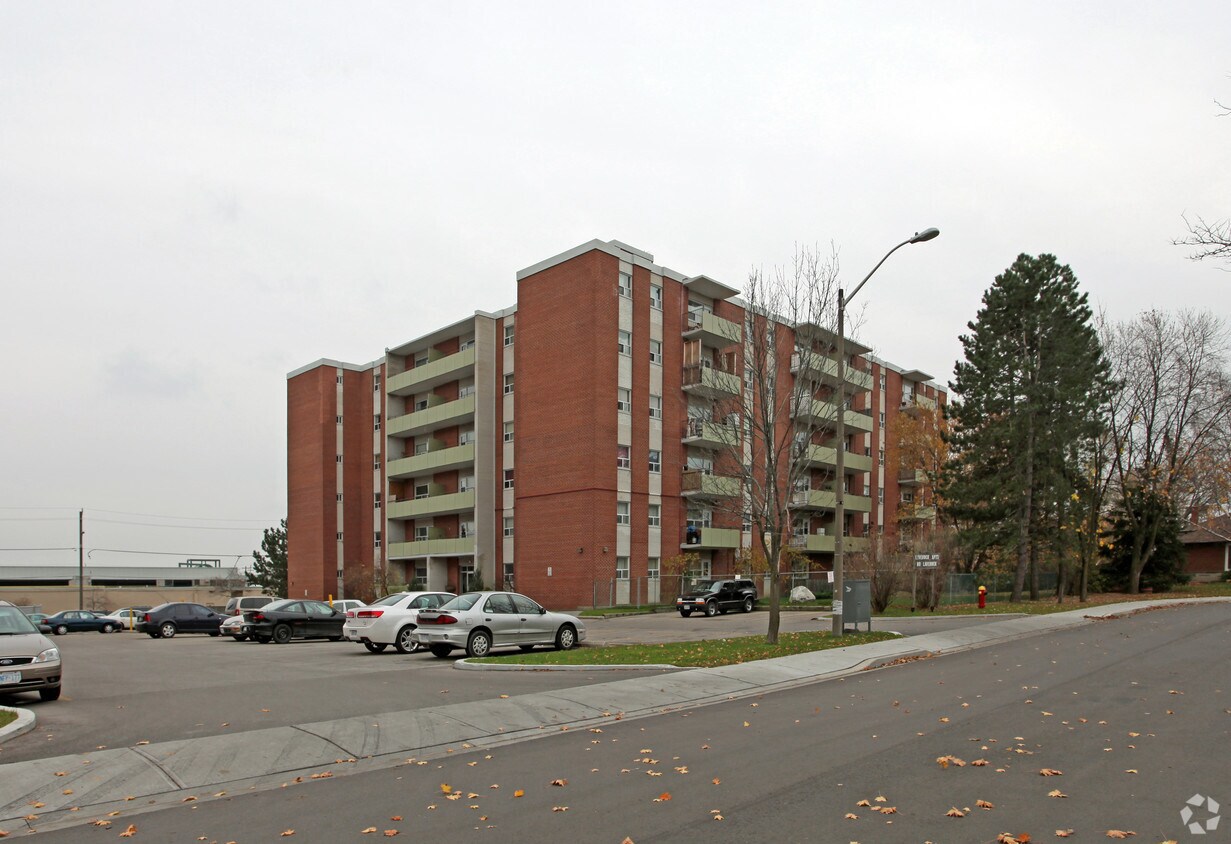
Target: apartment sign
[(927, 561)]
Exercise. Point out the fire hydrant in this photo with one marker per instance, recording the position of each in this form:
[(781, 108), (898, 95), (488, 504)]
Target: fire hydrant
[(982, 597)]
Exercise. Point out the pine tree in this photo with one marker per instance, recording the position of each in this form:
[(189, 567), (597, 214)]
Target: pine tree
[(1029, 392), (269, 564)]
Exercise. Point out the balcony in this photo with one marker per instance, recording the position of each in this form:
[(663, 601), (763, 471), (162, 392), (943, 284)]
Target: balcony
[(432, 374), (713, 331), (706, 381), (435, 416), (823, 455), (441, 504), (431, 462), (912, 478), (820, 543), (695, 484), (712, 435), (914, 402), (435, 547), (817, 367), (825, 499), (711, 538)]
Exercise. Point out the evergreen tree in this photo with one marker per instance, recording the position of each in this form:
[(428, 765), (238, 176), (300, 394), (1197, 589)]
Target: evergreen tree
[(269, 564), (1028, 395), (1166, 565)]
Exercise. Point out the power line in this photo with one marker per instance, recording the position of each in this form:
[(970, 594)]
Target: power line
[(72, 548), (155, 524), (185, 518), (167, 553)]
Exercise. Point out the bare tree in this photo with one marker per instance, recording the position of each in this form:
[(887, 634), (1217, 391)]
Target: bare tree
[(1208, 240), (774, 427), (1169, 420)]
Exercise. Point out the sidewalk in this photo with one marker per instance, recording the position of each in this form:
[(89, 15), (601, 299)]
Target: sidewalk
[(77, 789)]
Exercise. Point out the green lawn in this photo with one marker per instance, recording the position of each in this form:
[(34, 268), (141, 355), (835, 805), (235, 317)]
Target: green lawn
[(7, 718), (707, 654)]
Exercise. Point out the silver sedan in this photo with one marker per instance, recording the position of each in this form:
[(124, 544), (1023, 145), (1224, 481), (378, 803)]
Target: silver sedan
[(480, 621)]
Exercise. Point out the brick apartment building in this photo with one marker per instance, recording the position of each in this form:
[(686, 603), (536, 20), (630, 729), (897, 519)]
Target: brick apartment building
[(569, 444)]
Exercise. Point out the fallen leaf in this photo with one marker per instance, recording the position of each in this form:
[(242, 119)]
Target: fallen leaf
[(395, 818), (519, 793), (662, 798), (559, 808), (389, 833), (559, 782), (1119, 833), (286, 833), (851, 817), (1131, 771), (1063, 833), (880, 798), (983, 804), (715, 781), (979, 763), (446, 788), (1055, 792), (955, 812), (1050, 772), (368, 830), (130, 832), (864, 803)]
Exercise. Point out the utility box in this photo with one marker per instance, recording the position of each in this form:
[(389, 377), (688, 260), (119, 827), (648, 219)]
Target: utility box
[(857, 603)]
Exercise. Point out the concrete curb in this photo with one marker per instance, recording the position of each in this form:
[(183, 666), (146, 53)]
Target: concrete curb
[(25, 723), (76, 789)]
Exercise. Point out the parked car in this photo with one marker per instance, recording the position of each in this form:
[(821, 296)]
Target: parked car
[(76, 621), (37, 618), (127, 617), (391, 620), (234, 627), (346, 604), (29, 661), (281, 621), (237, 606), (480, 621), (718, 596), (166, 621)]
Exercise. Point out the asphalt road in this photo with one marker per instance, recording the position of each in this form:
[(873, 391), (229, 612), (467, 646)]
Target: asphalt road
[(127, 688), (1133, 714)]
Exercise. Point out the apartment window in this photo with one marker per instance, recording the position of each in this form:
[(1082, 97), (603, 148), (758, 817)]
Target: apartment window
[(376, 460), (422, 447), (622, 458), (508, 384), (465, 390), (867, 490), (625, 284), (339, 496), (622, 516), (508, 526), (465, 483), (656, 297), (376, 422), (624, 400), (656, 352), (656, 461), (882, 454), (376, 383), (747, 376), (655, 517), (467, 343), (421, 404), (880, 496), (339, 379), (882, 418), (466, 529), (466, 570), (908, 497), (621, 568), (339, 536), (508, 432), (882, 380), (421, 359), (466, 437), (656, 407), (508, 478), (625, 342), (508, 335), (420, 534), (376, 540), (746, 523), (421, 573), (421, 491), (339, 419), (376, 497), (337, 458)]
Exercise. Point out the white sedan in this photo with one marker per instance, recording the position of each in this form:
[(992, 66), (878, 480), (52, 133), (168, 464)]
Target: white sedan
[(391, 620), (480, 621)]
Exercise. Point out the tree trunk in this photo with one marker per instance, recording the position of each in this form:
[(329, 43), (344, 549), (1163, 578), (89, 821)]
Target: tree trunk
[(1026, 516), (775, 590)]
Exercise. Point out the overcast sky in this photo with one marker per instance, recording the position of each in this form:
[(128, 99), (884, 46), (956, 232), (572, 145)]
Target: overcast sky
[(197, 198)]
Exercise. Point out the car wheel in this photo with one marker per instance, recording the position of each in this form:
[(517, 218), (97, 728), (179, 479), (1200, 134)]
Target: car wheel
[(107, 628), (282, 634), (60, 630), (264, 640), (405, 642), (239, 637), (566, 637), (526, 647), (685, 613), (440, 650), (711, 609), (167, 630), (749, 604), (375, 647), (479, 644), (49, 694)]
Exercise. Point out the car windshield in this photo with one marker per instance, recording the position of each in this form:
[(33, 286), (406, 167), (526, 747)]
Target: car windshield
[(389, 600), (13, 622), (706, 585), (462, 602)]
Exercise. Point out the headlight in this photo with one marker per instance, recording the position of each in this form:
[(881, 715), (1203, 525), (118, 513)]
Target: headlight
[(49, 655)]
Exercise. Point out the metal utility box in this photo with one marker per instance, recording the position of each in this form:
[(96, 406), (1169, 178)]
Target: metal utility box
[(857, 603)]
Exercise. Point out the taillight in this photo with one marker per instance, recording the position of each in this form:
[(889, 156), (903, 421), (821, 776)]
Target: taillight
[(259, 616), (367, 613), (440, 619), (147, 616)]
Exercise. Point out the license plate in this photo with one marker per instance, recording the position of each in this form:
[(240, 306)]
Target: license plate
[(7, 677)]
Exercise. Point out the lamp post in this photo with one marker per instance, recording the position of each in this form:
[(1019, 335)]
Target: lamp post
[(840, 431)]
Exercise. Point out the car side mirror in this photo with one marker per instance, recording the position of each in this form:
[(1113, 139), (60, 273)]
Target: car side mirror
[(542, 610)]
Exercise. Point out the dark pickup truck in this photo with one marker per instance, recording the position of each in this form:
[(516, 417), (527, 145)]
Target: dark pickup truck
[(718, 596)]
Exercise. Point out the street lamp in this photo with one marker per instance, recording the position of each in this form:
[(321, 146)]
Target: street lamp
[(840, 431)]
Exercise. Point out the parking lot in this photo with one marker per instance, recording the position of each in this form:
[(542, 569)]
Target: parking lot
[(125, 688)]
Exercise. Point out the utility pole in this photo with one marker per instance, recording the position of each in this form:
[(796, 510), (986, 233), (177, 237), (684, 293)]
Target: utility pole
[(81, 559)]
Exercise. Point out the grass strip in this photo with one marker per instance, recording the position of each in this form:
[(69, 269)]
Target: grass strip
[(705, 654)]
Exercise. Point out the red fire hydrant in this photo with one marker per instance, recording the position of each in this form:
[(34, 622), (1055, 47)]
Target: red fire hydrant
[(982, 597)]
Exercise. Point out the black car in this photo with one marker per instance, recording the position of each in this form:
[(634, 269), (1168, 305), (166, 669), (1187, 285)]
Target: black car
[(75, 621), (718, 596), (165, 621), (281, 621)]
